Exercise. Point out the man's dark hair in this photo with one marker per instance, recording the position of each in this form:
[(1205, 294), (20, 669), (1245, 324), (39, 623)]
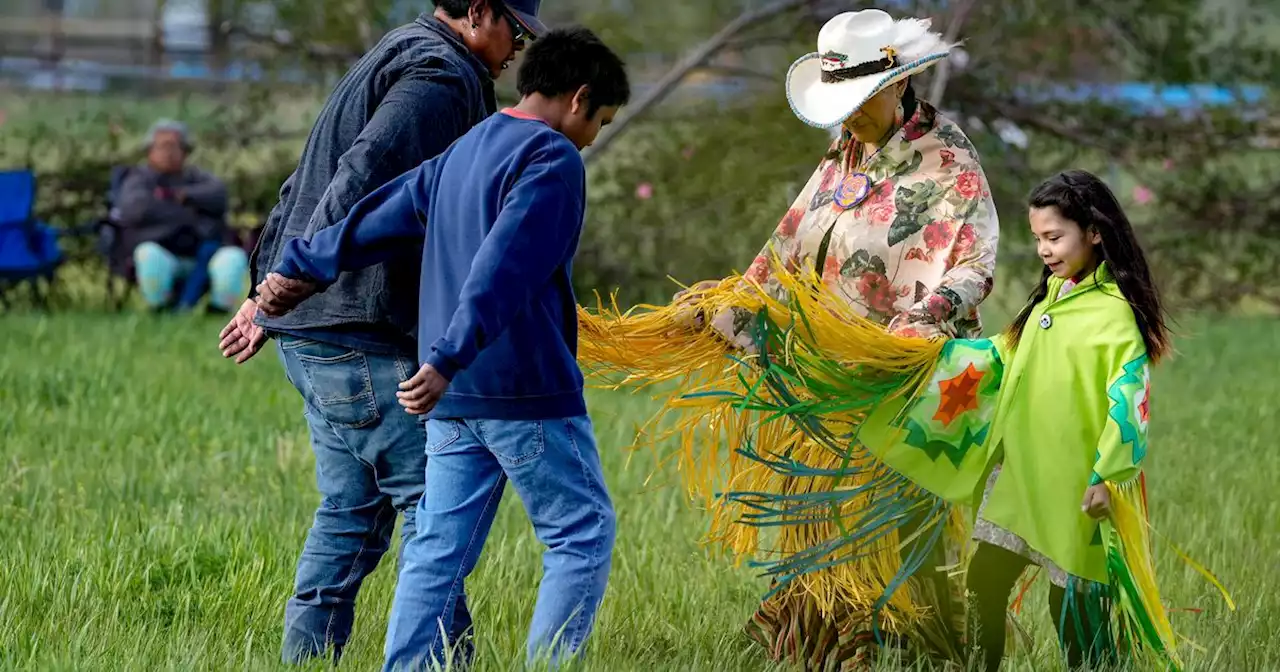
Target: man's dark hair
[(459, 9), (563, 60)]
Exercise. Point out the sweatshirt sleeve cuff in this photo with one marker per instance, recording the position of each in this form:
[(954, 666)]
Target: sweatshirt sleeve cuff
[(443, 364), (291, 266)]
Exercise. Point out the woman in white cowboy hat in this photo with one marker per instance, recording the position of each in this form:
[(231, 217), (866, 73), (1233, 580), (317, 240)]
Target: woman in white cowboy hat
[(899, 221)]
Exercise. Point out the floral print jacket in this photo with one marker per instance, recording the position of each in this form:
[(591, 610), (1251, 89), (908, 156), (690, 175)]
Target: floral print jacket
[(918, 254)]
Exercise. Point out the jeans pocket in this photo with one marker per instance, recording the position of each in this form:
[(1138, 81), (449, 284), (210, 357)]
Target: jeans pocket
[(513, 442), (340, 382), (441, 434)]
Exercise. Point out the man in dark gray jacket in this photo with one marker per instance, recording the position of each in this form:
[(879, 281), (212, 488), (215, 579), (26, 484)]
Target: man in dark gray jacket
[(348, 349)]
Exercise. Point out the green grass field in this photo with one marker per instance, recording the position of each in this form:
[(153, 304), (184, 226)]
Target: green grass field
[(153, 499)]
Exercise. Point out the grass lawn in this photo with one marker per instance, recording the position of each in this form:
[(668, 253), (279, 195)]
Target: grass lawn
[(154, 498)]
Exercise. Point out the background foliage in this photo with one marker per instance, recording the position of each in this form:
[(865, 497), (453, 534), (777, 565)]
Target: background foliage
[(694, 187)]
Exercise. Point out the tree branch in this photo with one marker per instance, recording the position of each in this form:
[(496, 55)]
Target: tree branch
[(939, 84), (735, 71), (677, 74)]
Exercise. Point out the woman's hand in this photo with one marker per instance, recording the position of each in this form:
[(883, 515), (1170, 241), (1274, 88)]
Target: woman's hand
[(695, 292), (1097, 501), (906, 326), (689, 316)]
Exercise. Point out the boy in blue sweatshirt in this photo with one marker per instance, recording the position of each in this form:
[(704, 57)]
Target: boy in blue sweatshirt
[(498, 217)]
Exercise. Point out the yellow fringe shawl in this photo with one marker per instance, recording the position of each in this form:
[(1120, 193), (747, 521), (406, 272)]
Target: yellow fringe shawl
[(648, 346)]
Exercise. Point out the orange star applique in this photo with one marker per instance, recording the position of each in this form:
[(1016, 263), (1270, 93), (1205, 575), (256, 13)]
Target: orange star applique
[(958, 394)]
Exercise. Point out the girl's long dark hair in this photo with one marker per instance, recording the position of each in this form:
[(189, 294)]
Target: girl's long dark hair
[(1086, 200)]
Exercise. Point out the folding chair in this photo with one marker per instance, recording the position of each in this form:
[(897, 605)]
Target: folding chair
[(105, 229), (109, 241), (29, 249)]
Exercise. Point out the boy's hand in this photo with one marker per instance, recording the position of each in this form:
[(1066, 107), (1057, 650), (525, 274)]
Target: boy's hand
[(420, 393), (278, 295), (241, 338), (1097, 501)]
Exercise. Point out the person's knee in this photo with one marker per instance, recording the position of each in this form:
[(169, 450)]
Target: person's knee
[(228, 277), (156, 270)]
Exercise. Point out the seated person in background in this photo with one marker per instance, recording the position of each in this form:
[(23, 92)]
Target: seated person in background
[(172, 219)]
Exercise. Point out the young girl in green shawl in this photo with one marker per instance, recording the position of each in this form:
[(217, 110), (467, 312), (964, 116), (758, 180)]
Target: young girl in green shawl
[(1073, 419)]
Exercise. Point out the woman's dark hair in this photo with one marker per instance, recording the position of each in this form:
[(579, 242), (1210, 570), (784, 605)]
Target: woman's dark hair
[(564, 60), (1086, 200), (909, 101)]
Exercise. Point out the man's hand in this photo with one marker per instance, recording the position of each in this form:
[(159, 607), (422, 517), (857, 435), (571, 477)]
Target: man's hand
[(1097, 501), (420, 393), (241, 338), (278, 295)]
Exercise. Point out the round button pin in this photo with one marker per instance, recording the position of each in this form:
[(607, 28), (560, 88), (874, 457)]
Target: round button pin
[(1046, 321)]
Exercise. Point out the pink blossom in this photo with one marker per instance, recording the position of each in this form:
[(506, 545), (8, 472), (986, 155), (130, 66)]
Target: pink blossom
[(1142, 195), (1168, 164), (644, 191)]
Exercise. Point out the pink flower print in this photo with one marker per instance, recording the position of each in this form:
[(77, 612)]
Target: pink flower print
[(759, 270), (969, 185), (831, 270), (877, 291), (939, 234), (790, 222), (879, 205), (938, 307)]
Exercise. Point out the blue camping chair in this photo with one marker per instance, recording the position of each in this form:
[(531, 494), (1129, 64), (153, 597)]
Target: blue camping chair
[(29, 249)]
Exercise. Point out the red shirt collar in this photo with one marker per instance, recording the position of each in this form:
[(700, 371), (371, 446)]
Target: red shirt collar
[(518, 114)]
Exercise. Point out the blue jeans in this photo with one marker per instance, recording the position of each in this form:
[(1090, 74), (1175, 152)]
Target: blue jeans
[(369, 465), (555, 469)]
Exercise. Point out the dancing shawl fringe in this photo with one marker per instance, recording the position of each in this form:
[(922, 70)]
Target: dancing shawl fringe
[(846, 529)]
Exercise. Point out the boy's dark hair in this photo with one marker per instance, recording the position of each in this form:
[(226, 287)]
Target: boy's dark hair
[(563, 60), (1086, 200), (459, 9)]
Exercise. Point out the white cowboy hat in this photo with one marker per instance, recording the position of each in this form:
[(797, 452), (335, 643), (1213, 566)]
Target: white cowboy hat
[(859, 55)]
